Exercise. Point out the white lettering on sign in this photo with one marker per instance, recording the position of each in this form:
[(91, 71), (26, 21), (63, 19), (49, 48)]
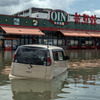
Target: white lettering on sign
[(54, 16), (63, 17), (58, 16)]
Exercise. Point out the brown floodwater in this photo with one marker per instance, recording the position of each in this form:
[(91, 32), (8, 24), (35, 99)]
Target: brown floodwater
[(82, 82)]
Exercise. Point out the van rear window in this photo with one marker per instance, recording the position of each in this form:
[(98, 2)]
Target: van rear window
[(31, 55)]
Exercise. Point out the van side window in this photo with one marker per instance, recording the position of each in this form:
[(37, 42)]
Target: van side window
[(58, 55)]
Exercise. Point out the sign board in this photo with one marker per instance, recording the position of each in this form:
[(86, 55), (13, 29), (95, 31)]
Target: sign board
[(84, 19), (58, 17), (16, 21)]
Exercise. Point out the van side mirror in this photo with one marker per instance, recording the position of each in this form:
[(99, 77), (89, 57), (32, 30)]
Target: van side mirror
[(67, 58)]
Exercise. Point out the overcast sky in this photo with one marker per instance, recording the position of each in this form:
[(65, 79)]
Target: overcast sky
[(90, 7)]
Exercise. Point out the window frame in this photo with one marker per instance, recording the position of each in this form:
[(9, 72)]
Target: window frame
[(63, 55), (29, 47)]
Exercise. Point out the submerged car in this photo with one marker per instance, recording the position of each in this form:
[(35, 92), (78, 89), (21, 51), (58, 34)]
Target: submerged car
[(38, 61)]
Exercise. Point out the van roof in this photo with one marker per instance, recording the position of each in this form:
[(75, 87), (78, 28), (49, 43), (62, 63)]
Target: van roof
[(43, 46)]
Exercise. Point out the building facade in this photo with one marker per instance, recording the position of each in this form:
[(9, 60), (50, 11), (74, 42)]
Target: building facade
[(51, 27), (35, 13)]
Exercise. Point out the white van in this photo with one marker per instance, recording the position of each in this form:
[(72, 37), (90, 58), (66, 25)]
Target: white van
[(38, 61)]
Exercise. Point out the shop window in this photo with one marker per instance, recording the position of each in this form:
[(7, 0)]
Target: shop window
[(50, 42), (63, 42), (54, 41), (83, 42), (26, 41), (30, 41), (22, 41), (40, 42), (86, 43), (18, 41), (98, 42), (76, 42), (22, 35), (90, 43), (72, 42), (45, 41), (59, 41), (93, 43), (68, 42), (30, 36)]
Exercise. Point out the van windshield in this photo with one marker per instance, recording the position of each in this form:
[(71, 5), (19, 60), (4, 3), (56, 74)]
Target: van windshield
[(31, 55)]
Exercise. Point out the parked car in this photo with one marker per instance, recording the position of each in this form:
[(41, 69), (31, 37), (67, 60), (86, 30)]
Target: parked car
[(38, 61)]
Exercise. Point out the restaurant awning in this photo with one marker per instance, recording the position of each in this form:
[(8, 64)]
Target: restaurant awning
[(22, 31), (75, 33), (94, 34)]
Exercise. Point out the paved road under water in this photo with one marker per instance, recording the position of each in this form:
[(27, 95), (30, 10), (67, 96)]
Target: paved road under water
[(82, 83)]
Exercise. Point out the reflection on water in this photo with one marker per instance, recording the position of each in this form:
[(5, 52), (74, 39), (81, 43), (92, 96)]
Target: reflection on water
[(83, 81), (82, 84), (5, 62), (37, 89), (83, 54)]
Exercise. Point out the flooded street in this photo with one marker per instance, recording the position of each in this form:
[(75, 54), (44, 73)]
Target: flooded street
[(82, 82)]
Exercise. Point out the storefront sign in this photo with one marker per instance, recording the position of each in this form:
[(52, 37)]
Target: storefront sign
[(58, 17), (84, 19), (16, 21), (35, 22)]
